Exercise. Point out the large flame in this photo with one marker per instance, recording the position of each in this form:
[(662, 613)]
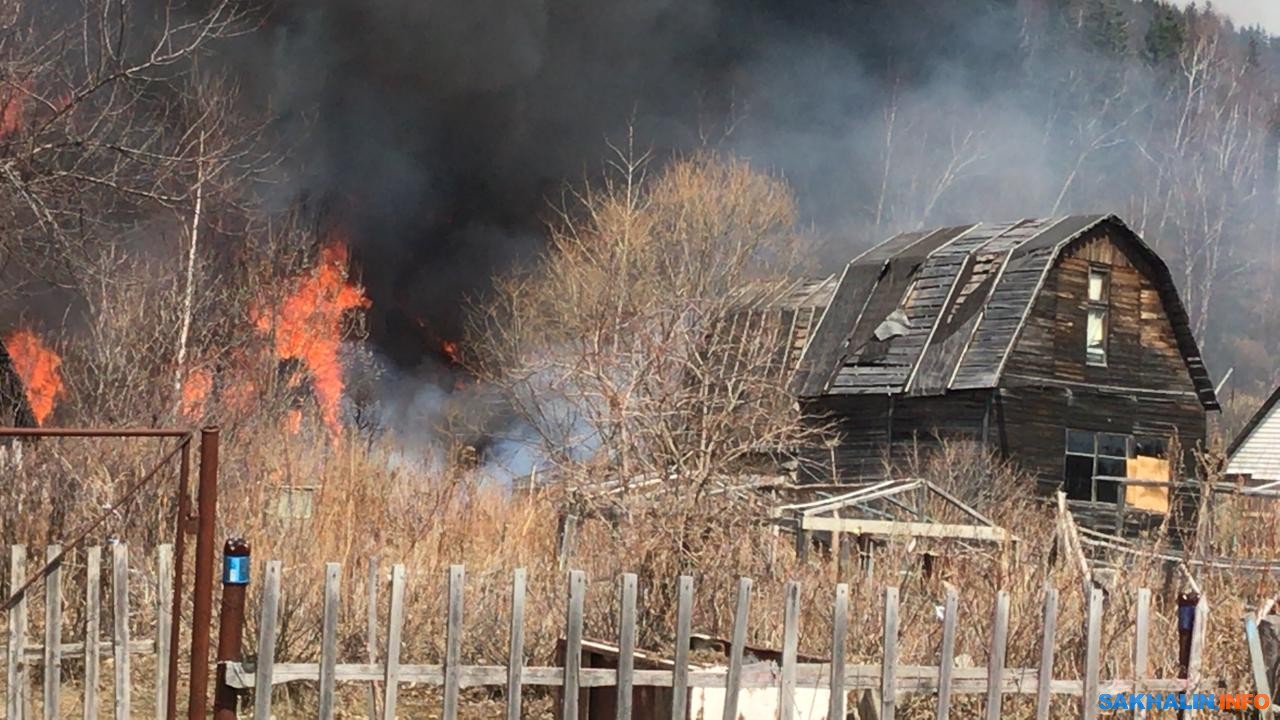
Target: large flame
[(195, 392), (40, 369), (307, 326)]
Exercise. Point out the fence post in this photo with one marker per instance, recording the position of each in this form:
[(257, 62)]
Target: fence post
[(92, 633), (120, 618), (202, 592), (164, 623), (52, 634), (329, 640), (16, 687), (267, 641), (995, 659), (839, 632), (889, 660), (1261, 685), (626, 645), (1093, 645), (790, 649), (946, 656), (680, 672), (515, 650), (236, 563), (1044, 681), (1141, 631), (453, 642), (573, 645), (733, 677), (395, 626)]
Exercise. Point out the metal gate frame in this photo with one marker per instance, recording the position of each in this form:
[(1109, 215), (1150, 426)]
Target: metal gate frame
[(201, 521)]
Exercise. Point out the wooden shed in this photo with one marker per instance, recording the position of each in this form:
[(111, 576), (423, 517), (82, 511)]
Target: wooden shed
[(1061, 343)]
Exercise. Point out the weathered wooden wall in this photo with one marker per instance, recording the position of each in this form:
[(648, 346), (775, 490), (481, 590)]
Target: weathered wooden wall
[(1145, 388), (875, 429)]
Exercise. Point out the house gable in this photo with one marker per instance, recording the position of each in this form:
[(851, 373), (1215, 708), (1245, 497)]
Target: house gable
[(1255, 452), (941, 311)]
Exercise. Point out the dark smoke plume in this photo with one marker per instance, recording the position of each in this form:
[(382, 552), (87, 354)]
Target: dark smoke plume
[(444, 128)]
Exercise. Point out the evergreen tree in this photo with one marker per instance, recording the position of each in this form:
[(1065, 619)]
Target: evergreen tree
[(1165, 36), (1253, 55), (1105, 27)]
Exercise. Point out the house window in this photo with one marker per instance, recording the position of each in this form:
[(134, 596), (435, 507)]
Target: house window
[(1096, 328), (1092, 462)]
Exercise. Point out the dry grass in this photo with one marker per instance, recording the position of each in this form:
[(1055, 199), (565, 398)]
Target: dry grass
[(367, 507)]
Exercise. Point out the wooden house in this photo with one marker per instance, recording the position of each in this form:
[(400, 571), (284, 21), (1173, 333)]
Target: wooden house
[(1061, 343), (1254, 454)]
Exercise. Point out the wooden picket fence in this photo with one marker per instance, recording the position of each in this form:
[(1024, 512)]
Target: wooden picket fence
[(21, 656), (888, 677)]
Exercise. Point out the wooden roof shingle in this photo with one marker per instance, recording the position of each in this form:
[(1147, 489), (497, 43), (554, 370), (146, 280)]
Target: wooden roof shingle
[(959, 297)]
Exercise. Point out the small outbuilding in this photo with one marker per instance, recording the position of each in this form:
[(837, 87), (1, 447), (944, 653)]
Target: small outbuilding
[(1254, 454)]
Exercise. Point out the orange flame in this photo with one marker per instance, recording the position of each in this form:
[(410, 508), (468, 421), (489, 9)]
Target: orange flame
[(40, 369), (195, 392), (450, 349), (12, 107), (307, 326)]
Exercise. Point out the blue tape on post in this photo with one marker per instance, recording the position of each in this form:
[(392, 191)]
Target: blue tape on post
[(235, 570), (1186, 617)]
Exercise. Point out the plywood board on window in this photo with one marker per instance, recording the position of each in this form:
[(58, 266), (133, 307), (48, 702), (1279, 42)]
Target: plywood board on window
[(1155, 499)]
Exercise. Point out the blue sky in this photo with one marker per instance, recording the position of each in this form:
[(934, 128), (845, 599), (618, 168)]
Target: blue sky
[(1247, 12)]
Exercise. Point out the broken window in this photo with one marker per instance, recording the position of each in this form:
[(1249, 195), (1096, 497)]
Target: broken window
[(1094, 465), (1096, 328)]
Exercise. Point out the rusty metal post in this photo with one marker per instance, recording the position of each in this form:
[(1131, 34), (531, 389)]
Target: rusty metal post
[(235, 579), (202, 598), (180, 531)]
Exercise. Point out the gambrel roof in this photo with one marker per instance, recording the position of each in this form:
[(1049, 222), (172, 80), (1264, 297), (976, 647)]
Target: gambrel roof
[(927, 312), (1256, 449)]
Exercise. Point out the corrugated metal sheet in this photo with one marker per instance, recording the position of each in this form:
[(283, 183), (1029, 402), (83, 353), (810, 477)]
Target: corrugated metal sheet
[(1256, 451), (965, 293)]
